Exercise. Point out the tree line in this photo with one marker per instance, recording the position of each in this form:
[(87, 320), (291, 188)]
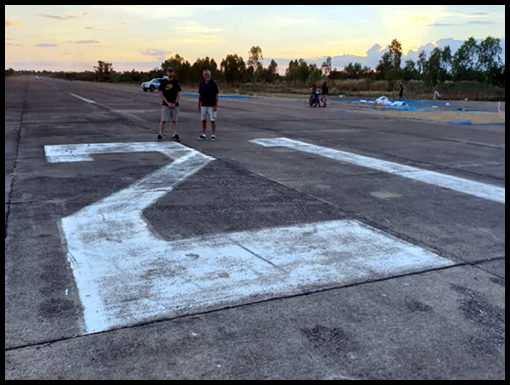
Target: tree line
[(473, 61)]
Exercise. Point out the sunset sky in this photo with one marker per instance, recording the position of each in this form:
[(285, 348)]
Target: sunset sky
[(75, 37)]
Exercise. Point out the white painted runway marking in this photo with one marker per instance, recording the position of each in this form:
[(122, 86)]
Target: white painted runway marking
[(84, 99), (126, 274), (481, 190)]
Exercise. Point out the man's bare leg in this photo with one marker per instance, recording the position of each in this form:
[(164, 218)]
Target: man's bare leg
[(162, 126)]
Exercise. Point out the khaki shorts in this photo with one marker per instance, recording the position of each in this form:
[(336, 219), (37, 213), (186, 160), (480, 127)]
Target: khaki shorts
[(208, 111), (169, 115)]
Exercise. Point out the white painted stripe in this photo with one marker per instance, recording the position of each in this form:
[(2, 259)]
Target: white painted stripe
[(480, 190), (85, 152), (82, 98), (127, 274)]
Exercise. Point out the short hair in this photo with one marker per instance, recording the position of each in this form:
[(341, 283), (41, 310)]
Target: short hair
[(209, 72)]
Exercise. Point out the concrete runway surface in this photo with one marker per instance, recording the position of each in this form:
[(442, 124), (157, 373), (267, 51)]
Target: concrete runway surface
[(303, 244)]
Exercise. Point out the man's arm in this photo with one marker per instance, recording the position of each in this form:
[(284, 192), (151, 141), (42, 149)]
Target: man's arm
[(215, 108), (199, 102), (170, 105), (162, 96)]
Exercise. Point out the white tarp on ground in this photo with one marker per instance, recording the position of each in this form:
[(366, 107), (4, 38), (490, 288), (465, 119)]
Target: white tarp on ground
[(387, 102), (383, 100)]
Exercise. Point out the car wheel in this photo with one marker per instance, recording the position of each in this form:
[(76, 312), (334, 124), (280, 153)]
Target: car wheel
[(152, 88), (145, 89)]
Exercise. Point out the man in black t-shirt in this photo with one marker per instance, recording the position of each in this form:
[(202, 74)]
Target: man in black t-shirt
[(170, 93), (208, 95)]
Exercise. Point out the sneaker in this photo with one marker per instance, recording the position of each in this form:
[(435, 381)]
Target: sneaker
[(213, 137), (160, 137), (202, 137), (176, 138)]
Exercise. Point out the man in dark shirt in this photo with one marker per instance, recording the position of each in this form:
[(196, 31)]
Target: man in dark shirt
[(208, 95), (324, 96), (170, 93)]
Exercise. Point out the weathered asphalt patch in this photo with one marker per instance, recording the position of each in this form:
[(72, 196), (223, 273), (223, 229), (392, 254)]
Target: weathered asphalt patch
[(126, 274), (385, 195)]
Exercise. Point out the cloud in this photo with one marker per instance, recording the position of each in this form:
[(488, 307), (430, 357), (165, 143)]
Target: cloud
[(138, 65), (91, 28), (156, 52), (69, 17), (85, 42), (288, 21), (163, 12), (376, 50), (479, 22), (470, 22), (65, 18), (199, 30), (444, 25), (46, 45), (193, 33), (13, 23)]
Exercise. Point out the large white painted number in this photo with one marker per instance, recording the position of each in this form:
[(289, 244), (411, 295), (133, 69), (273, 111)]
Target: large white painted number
[(115, 226), (127, 274)]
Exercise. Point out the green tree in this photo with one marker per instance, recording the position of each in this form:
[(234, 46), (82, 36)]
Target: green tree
[(255, 67), (355, 70), (432, 74), (384, 67), (314, 73), (303, 71), (291, 71), (396, 54), (200, 65), (182, 68), (327, 66), (422, 63), (234, 69), (390, 64), (497, 76), (299, 71), (410, 71), (270, 75), (103, 71), (446, 60), (464, 63), (489, 60)]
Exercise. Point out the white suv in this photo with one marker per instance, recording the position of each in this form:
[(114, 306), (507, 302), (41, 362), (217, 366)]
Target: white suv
[(152, 85)]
